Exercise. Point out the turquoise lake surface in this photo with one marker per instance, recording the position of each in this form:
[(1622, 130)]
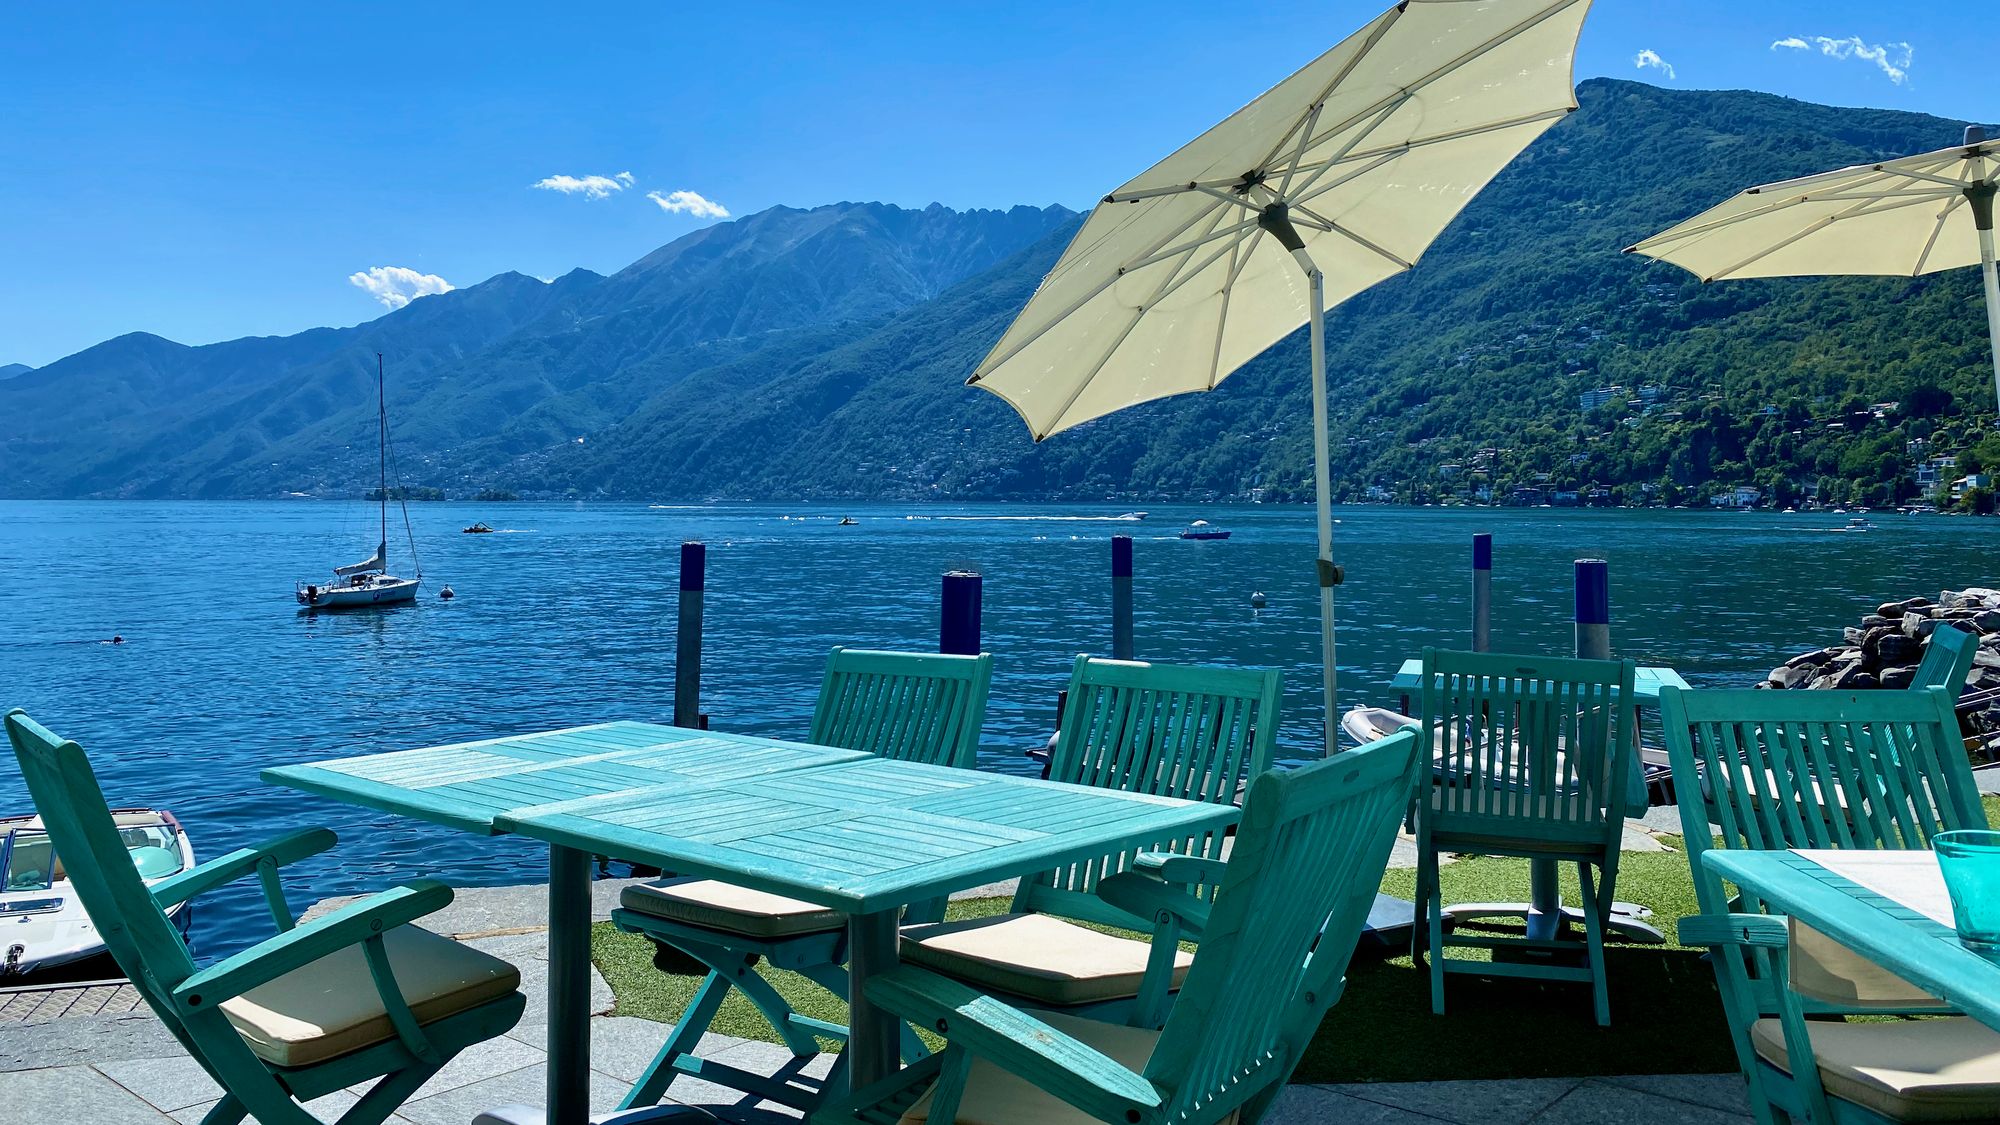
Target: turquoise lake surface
[(567, 617)]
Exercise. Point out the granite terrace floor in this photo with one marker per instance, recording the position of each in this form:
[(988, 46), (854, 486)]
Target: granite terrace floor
[(107, 1062)]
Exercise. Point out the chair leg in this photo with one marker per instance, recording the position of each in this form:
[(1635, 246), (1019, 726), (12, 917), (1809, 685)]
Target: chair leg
[(1433, 906), (1594, 909), (387, 1095), (686, 1035), (777, 1012), (228, 1111)]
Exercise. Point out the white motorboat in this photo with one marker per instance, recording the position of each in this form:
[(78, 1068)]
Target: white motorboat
[(369, 583), (42, 923)]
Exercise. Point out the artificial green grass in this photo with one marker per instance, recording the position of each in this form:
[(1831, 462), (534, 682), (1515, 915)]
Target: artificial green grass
[(1665, 1015)]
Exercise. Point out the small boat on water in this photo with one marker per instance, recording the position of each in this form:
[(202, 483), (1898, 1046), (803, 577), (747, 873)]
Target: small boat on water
[(368, 583), (42, 924), (1859, 524), (476, 529), (847, 521), (1202, 529), (1134, 516)]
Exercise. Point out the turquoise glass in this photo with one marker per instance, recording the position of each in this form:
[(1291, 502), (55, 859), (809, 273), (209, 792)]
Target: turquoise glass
[(1970, 861)]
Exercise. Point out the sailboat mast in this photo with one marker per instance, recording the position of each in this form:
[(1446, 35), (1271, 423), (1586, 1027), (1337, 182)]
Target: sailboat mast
[(382, 454)]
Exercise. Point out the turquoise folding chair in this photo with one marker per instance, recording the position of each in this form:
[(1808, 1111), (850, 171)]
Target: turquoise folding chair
[(1947, 660), (917, 707), (357, 996), (1531, 757), (1276, 940), (1825, 769), (1198, 733)]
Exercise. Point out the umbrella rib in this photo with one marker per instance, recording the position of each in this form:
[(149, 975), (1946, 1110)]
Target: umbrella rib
[(1237, 260), (1173, 281), (1195, 244), (1171, 189), (1856, 211), (1226, 197), (1682, 232), (998, 358), (1937, 229), (1305, 196), (1320, 168), (1397, 151), (1305, 138), (1333, 83), (1507, 36), (1362, 242), (1959, 185)]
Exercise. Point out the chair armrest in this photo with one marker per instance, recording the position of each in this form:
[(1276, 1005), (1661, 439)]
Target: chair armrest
[(205, 877), (1763, 931), (1150, 898), (1189, 870), (1066, 1068), (276, 956)]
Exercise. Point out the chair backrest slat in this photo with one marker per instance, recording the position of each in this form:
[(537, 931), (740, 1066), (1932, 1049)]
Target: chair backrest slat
[(910, 706), (1771, 770), (1308, 859), (1521, 742), (1195, 732)]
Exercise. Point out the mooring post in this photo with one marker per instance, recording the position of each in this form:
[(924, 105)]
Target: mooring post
[(1121, 597), (958, 617), (1482, 590), (1593, 642), (687, 649)]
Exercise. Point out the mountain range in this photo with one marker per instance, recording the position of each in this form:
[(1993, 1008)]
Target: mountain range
[(822, 353)]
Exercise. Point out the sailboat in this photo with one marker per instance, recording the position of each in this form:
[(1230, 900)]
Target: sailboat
[(368, 582)]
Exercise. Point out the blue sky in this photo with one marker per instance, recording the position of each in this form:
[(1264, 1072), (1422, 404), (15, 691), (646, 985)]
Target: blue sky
[(214, 170)]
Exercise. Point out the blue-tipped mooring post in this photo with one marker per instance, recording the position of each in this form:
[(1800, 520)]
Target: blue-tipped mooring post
[(1482, 590), (1593, 642), (958, 618), (687, 649), (1121, 597)]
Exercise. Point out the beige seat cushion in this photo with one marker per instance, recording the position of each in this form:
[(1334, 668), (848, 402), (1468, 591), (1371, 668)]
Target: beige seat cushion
[(1827, 971), (998, 1097), (715, 905), (330, 1007), (1906, 1070), (1037, 957)]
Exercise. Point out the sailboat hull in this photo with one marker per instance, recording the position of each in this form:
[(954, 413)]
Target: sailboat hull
[(379, 589)]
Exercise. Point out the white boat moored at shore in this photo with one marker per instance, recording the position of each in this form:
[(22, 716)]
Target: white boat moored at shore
[(42, 923)]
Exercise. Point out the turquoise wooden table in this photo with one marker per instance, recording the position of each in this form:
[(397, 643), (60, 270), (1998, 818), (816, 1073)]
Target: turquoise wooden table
[(1886, 906), (1646, 682), (865, 838), (469, 785)]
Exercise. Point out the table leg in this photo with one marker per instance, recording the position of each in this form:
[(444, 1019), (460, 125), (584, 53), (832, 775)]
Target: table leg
[(569, 986), (872, 1035), (1545, 913)]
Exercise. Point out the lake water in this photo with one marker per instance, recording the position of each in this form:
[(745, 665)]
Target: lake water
[(567, 617)]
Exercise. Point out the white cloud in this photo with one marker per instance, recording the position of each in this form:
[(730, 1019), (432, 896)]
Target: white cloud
[(590, 187), (689, 203), (1651, 58), (627, 177), (396, 286), (1892, 59)]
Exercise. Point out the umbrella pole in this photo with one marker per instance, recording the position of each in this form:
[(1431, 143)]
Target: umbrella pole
[(1992, 278), (1323, 486)]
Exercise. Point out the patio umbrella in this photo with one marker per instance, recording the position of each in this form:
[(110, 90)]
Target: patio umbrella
[(1336, 178), (1905, 218)]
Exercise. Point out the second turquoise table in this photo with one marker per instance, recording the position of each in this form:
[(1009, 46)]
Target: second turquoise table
[(865, 838)]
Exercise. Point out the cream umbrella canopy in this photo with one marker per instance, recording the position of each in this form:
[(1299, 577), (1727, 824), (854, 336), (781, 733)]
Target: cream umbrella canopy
[(1907, 218), (1335, 179)]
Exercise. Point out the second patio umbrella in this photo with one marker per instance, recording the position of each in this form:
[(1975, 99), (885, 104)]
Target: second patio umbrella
[(1336, 178), (1906, 218)]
